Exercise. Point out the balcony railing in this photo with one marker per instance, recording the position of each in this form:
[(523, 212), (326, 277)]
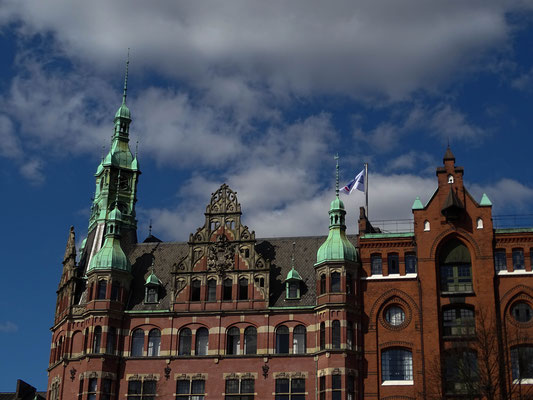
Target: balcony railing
[(394, 225), (512, 221)]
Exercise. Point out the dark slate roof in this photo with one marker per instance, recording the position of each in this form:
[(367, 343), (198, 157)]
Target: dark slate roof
[(277, 250)]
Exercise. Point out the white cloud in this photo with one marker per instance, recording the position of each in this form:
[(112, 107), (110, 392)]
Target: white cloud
[(301, 47), (8, 327), (507, 195), (32, 170), (450, 124)]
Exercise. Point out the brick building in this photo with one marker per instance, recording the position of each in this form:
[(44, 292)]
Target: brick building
[(442, 310)]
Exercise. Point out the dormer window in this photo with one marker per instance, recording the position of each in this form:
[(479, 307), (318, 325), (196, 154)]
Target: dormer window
[(293, 290), (151, 288), (151, 295), (450, 178)]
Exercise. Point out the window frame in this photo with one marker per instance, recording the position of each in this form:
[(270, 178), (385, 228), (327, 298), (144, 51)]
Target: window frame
[(282, 339), (518, 259), (154, 343), (291, 393), (299, 339), (411, 263), (376, 264), (185, 342), (393, 264), (461, 325), (401, 370), (201, 349), (335, 282), (192, 393), (500, 260), (250, 340), (336, 343), (137, 343), (233, 341)]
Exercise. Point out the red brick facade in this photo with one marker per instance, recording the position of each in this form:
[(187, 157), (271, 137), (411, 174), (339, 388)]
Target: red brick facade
[(451, 298)]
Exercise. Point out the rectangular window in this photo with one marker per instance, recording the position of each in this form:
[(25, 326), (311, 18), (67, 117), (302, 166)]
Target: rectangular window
[(211, 290), (115, 291), (410, 263), (190, 389), (376, 268), (500, 260), (228, 285), (518, 259), (322, 388), (522, 362), (91, 391), (106, 389), (350, 388), (142, 390), (458, 322), (290, 389), (240, 390), (393, 264), (102, 288), (456, 278), (336, 387), (396, 365)]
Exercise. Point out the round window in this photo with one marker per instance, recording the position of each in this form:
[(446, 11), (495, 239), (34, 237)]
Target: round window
[(522, 312), (394, 315)]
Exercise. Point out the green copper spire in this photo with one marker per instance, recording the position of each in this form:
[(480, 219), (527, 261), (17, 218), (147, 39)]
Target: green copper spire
[(124, 111), (337, 247), (293, 274), (111, 256), (485, 201), (417, 204)]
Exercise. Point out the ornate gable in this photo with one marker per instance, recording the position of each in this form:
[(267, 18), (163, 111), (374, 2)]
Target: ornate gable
[(223, 247)]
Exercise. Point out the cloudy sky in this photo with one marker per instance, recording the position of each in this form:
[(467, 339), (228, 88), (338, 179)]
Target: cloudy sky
[(259, 95)]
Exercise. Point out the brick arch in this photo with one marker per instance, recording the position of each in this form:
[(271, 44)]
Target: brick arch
[(145, 327), (461, 234), (76, 344), (384, 299)]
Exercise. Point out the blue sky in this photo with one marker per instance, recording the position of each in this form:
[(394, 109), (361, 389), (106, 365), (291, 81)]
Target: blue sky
[(260, 95)]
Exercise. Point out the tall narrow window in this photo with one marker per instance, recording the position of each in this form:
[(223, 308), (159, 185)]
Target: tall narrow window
[(350, 387), (185, 340), (393, 264), (111, 340), (97, 339), (376, 267), (336, 334), (202, 342), (154, 342), (396, 365), (106, 389), (282, 340), (349, 284), (151, 294), (410, 263), (250, 340), (455, 268), (101, 292), (137, 343), (299, 336), (195, 290), (211, 290), (349, 335), (322, 388), (80, 389), (228, 284), (322, 336), (233, 345), (336, 387), (91, 390), (322, 284), (335, 282), (115, 291), (518, 259), (243, 289)]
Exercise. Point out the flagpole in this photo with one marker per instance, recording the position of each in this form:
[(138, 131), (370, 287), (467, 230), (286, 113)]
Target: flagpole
[(366, 189)]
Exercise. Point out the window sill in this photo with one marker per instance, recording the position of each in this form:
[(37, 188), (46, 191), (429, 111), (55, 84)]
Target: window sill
[(397, 383), (465, 293), (516, 272), (384, 277), (525, 381)]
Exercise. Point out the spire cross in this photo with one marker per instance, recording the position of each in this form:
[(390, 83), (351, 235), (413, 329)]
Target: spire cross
[(336, 157), (150, 228), (292, 257), (126, 79)]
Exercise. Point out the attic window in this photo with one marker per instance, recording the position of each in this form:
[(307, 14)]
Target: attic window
[(450, 178), (151, 295), (293, 290)]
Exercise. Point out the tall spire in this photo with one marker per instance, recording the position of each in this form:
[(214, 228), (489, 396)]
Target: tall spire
[(125, 93), (337, 175)]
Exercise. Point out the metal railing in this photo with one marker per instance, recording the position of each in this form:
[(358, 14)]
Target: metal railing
[(394, 225), (512, 221)]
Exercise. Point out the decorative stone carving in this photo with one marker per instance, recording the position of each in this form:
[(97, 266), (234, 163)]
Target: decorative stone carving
[(221, 255)]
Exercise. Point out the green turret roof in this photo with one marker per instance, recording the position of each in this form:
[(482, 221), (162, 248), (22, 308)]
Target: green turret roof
[(152, 279), (485, 201), (337, 247), (111, 255), (293, 275), (417, 204)]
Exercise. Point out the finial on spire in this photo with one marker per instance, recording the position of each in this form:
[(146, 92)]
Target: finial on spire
[(136, 148), (150, 228), (292, 257), (336, 157), (126, 79)]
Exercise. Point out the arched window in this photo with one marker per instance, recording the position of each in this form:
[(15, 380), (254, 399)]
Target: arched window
[(335, 282), (202, 342), (322, 284), (59, 349), (455, 267), (396, 365), (427, 226), (349, 284), (250, 340), (111, 341), (85, 340), (97, 339), (185, 339), (228, 285), (479, 223), (521, 363), (336, 334), (154, 342), (195, 290), (102, 288), (137, 343), (243, 289), (322, 336), (458, 321), (461, 374), (349, 336), (233, 345), (282, 340), (450, 178), (212, 290), (299, 340)]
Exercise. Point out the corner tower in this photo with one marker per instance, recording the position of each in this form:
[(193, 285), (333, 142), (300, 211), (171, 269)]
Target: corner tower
[(116, 184)]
